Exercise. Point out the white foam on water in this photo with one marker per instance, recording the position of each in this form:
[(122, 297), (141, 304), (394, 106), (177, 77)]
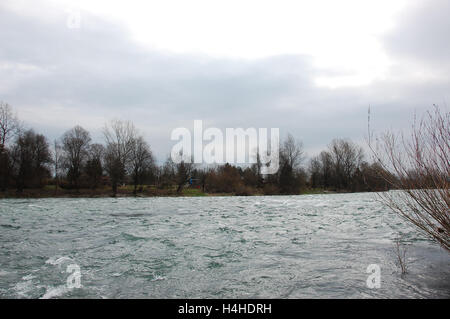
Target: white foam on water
[(23, 288), (35, 206), (53, 292), (28, 277), (158, 278), (57, 260)]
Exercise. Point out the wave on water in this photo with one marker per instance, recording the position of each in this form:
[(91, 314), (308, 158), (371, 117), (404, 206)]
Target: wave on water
[(29, 277), (9, 226), (36, 206), (128, 215), (131, 237), (316, 246), (57, 260), (158, 278), (53, 292), (23, 288)]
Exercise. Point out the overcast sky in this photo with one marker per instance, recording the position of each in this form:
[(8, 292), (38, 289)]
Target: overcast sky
[(310, 68)]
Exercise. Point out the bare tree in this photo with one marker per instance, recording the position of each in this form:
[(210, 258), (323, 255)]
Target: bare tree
[(120, 138), (141, 161), (167, 173), (57, 150), (290, 174), (315, 169), (94, 164), (9, 127), (347, 157), (184, 173), (5, 169), (9, 124), (31, 156), (326, 164), (75, 144), (420, 164), (292, 152), (400, 253)]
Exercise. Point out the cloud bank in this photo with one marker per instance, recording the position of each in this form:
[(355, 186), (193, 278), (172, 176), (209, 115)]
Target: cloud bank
[(57, 77)]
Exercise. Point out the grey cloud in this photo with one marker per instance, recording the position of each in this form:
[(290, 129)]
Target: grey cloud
[(58, 77), (422, 34)]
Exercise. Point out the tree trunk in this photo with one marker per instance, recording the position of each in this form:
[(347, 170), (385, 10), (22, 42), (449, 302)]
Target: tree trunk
[(135, 182), (114, 188)]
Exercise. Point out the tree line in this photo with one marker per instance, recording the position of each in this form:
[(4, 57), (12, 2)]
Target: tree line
[(417, 166), (73, 162)]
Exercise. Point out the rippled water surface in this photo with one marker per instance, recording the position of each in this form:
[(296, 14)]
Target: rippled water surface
[(310, 246)]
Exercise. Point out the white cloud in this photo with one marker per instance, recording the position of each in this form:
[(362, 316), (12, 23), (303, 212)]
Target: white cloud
[(340, 35), (311, 69)]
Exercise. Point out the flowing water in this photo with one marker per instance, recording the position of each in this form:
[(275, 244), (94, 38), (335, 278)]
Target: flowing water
[(309, 246)]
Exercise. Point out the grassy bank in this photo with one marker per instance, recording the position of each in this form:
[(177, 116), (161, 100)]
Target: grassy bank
[(126, 191)]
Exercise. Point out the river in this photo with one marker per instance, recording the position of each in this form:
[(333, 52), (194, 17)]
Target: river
[(307, 246)]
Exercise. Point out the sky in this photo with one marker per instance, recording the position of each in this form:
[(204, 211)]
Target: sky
[(309, 68)]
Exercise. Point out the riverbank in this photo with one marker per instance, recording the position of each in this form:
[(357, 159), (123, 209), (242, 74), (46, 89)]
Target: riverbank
[(127, 191)]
